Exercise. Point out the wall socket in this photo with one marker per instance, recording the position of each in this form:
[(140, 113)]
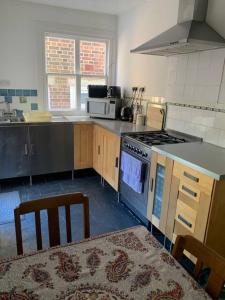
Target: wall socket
[(23, 99)]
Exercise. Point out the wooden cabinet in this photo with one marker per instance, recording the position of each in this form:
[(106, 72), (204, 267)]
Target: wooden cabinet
[(111, 151), (83, 146), (106, 150), (159, 189), (196, 207)]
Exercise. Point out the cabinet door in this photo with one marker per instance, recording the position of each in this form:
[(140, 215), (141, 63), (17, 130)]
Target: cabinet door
[(98, 149), (111, 151), (14, 160), (51, 148), (83, 146), (158, 198)]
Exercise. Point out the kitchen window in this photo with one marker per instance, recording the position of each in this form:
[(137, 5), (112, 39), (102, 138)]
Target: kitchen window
[(71, 65)]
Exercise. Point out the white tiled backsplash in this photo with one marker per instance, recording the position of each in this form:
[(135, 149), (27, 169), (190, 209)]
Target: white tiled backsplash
[(209, 125), (197, 78)]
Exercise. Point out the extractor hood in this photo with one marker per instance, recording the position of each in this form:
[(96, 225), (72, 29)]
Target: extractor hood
[(191, 34)]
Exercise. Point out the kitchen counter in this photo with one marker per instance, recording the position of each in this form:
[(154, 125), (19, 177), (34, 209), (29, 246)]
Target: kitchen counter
[(116, 126), (203, 157)]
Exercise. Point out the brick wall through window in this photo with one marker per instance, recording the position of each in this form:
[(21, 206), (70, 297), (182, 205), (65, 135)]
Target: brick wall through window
[(60, 61)]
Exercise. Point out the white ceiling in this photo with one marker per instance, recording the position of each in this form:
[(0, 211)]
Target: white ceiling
[(114, 7)]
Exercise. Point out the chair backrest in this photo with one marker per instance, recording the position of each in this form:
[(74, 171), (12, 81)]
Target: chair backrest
[(206, 257), (51, 204)]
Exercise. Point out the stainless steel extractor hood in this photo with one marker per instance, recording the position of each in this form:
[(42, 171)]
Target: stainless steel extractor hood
[(191, 34)]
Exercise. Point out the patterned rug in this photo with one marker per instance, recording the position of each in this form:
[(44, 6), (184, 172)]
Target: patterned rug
[(8, 202)]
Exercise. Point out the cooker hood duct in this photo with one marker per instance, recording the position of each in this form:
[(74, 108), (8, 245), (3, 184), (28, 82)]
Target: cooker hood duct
[(191, 34)]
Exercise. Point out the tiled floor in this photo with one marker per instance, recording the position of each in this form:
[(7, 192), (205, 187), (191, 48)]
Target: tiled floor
[(106, 214)]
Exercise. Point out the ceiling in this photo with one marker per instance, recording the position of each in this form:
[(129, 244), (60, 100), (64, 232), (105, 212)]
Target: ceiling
[(113, 7)]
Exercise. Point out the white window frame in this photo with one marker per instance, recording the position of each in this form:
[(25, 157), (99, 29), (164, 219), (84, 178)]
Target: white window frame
[(77, 75)]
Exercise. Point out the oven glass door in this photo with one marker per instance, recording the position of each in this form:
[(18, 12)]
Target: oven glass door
[(135, 200), (97, 108)]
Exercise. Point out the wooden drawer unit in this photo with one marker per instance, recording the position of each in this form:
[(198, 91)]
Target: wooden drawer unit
[(196, 207), (186, 216), (194, 180)]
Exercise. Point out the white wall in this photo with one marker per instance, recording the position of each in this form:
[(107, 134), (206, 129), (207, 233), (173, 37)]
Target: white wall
[(199, 78), (22, 27), (134, 28)]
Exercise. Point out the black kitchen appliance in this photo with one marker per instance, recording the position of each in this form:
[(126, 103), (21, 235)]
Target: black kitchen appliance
[(126, 113), (97, 91), (114, 92), (139, 146)]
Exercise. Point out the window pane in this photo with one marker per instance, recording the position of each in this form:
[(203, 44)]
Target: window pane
[(60, 55), (85, 81), (92, 58), (61, 92)]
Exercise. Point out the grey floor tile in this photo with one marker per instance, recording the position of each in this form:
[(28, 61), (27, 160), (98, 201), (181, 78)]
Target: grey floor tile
[(106, 214)]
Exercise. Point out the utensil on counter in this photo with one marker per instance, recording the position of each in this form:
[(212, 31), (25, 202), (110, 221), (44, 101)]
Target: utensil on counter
[(126, 113)]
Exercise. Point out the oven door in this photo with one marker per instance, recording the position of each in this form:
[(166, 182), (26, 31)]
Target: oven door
[(135, 201)]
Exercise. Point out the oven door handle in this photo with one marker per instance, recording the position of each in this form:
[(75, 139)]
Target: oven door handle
[(143, 172)]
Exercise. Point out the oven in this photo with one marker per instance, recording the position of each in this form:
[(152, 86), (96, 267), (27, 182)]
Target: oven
[(136, 201)]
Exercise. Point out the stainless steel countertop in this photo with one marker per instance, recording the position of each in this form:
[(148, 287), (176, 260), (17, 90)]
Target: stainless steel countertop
[(116, 126), (203, 157)]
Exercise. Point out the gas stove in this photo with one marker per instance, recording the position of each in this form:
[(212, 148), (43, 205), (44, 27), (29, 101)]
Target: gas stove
[(140, 144)]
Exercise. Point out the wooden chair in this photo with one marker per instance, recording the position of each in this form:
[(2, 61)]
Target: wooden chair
[(206, 257), (51, 204)]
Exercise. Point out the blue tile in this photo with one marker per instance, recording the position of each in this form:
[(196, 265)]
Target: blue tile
[(34, 106), (3, 92), (19, 92), (8, 99), (19, 113), (11, 92), (26, 93), (33, 93)]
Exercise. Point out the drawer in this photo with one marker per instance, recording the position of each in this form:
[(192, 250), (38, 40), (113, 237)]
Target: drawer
[(189, 190), (193, 178), (186, 216)]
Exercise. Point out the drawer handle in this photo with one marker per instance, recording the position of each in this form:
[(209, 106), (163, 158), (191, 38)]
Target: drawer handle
[(182, 219), (98, 150), (189, 176), (187, 190)]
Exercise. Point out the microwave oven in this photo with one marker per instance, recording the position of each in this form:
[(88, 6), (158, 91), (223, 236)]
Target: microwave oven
[(106, 108)]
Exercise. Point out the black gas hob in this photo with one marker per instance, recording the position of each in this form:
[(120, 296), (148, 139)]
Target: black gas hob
[(157, 138), (140, 144)]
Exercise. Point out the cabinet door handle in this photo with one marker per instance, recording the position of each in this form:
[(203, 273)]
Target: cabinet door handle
[(182, 219), (117, 162), (152, 184), (25, 149), (187, 190), (98, 150), (189, 176)]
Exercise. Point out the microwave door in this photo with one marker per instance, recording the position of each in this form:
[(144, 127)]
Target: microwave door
[(97, 108)]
